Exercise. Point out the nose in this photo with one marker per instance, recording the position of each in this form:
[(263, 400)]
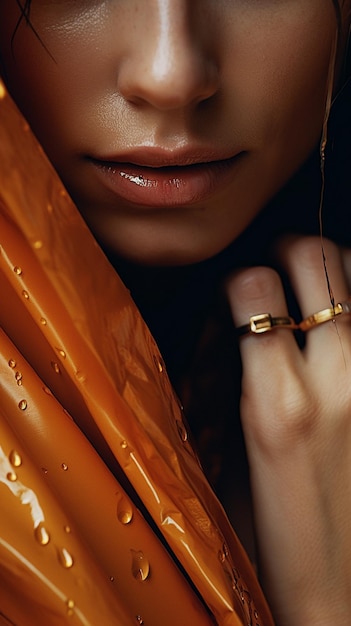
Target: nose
[(169, 64)]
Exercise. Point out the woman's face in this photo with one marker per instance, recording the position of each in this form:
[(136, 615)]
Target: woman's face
[(171, 122)]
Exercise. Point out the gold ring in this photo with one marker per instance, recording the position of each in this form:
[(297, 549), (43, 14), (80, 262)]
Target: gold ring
[(326, 315), (264, 322)]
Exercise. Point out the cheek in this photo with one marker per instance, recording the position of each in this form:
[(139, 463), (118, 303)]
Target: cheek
[(279, 74), (49, 67), (47, 93)]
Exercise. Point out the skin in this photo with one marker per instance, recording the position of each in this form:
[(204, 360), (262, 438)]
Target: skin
[(235, 76), (295, 411), (241, 74)]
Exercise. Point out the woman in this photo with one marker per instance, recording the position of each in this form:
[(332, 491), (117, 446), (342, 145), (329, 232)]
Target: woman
[(173, 125)]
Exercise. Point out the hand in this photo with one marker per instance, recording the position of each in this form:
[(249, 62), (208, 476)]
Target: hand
[(296, 415)]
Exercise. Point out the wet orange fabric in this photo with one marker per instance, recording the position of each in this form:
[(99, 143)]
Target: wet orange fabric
[(105, 515)]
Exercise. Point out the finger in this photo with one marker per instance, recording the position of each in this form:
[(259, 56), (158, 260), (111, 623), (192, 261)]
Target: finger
[(318, 279), (269, 358), (346, 259)]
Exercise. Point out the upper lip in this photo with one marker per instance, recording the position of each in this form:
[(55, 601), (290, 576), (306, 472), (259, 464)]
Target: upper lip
[(156, 157)]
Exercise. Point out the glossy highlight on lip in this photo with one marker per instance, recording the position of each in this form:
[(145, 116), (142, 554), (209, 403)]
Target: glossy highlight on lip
[(146, 182), (162, 186), (138, 180)]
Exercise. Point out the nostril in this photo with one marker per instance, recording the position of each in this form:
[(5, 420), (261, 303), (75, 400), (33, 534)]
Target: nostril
[(171, 83), (171, 65)]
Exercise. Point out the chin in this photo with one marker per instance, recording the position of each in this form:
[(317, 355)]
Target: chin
[(159, 256), (156, 247)]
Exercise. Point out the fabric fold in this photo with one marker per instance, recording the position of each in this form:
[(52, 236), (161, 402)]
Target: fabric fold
[(89, 409)]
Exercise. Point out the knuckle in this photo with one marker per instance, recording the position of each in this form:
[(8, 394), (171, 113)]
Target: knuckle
[(283, 417)]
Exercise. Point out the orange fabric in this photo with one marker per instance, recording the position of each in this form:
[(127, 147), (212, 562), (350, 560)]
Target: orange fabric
[(89, 425)]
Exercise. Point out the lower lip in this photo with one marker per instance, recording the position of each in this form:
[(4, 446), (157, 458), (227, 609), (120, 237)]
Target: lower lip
[(165, 186)]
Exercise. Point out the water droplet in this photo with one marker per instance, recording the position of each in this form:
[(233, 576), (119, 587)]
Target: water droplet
[(222, 556), (11, 476), (47, 391), (25, 294), (67, 529), (159, 363), (17, 270), (64, 467), (55, 367), (12, 363), (62, 353), (124, 511), (15, 458), (44, 470), (18, 377), (124, 444), (70, 607), (38, 244), (65, 558), (140, 565), (43, 321), (236, 574), (80, 376), (41, 534), (63, 193), (112, 579), (182, 431), (180, 404), (139, 620), (22, 405)]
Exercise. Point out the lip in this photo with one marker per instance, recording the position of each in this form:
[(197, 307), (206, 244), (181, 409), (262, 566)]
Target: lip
[(156, 179)]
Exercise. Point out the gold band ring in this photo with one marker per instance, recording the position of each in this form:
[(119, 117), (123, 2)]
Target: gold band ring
[(326, 315), (264, 322)]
